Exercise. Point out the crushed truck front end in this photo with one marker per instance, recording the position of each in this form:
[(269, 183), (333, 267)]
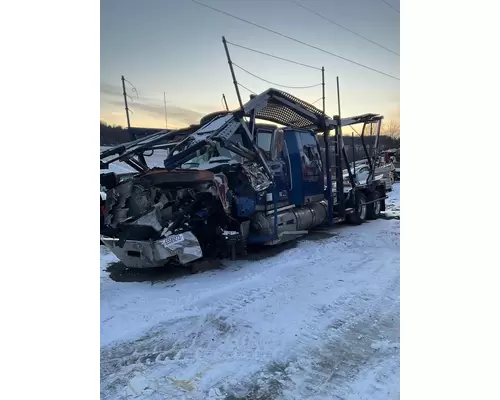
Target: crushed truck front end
[(183, 248)]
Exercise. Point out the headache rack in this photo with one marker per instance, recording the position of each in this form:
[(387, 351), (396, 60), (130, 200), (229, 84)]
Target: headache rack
[(285, 109)]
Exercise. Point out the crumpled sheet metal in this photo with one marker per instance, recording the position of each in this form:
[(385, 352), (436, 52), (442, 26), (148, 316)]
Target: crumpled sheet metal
[(184, 245), (151, 219), (115, 203), (222, 186), (256, 176), (156, 253)]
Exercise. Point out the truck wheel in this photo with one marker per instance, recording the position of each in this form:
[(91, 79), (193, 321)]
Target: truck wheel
[(373, 209), (360, 211)]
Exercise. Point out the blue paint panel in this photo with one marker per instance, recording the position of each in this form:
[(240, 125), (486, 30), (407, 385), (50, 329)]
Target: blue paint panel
[(311, 162), (245, 206), (296, 194), (281, 173), (307, 174)]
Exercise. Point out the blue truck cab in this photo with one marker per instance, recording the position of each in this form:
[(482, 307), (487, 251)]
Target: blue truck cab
[(294, 157), (298, 193)]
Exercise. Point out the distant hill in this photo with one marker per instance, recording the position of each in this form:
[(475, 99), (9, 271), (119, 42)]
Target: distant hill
[(115, 134)]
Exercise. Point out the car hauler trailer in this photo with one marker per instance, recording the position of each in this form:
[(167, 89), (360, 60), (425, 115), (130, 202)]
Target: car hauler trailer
[(234, 181)]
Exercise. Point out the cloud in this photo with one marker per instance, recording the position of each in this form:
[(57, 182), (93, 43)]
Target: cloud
[(153, 107), (110, 90)]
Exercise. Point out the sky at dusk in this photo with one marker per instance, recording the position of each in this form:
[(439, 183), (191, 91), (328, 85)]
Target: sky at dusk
[(175, 46)]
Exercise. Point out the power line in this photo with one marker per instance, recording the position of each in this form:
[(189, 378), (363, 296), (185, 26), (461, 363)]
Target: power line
[(244, 87), (276, 84), (315, 101), (133, 88), (271, 55), (296, 40), (343, 27), (390, 5)]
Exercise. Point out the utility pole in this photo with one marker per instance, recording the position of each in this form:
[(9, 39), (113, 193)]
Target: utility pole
[(165, 102), (326, 138), (235, 82), (126, 106), (323, 88), (133, 135), (225, 102)]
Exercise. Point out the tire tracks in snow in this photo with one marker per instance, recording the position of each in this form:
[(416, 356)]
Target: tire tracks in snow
[(349, 349), (328, 359), (208, 332), (161, 345), (348, 313)]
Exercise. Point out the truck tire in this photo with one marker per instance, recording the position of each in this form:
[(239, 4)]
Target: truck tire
[(360, 210), (373, 209)]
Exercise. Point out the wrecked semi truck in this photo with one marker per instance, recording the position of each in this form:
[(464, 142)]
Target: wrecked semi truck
[(234, 181)]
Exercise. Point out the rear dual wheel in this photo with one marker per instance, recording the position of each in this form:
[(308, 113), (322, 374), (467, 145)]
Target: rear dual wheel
[(374, 209), (360, 210), (363, 211)]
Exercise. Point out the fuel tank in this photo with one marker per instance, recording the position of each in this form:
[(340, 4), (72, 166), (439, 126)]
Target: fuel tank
[(292, 222)]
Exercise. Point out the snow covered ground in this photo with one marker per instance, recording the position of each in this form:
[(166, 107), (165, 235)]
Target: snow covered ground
[(315, 320)]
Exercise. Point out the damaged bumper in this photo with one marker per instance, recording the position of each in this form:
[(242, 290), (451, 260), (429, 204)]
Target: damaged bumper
[(182, 247)]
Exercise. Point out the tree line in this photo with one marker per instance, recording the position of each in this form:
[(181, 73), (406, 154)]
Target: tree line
[(113, 134), (389, 138)]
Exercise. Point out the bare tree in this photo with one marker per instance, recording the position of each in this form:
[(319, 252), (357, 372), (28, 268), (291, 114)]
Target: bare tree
[(391, 129)]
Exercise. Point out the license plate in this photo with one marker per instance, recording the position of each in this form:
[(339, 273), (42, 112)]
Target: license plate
[(172, 239)]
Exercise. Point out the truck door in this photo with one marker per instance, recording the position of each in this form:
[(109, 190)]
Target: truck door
[(272, 143), (312, 168)]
